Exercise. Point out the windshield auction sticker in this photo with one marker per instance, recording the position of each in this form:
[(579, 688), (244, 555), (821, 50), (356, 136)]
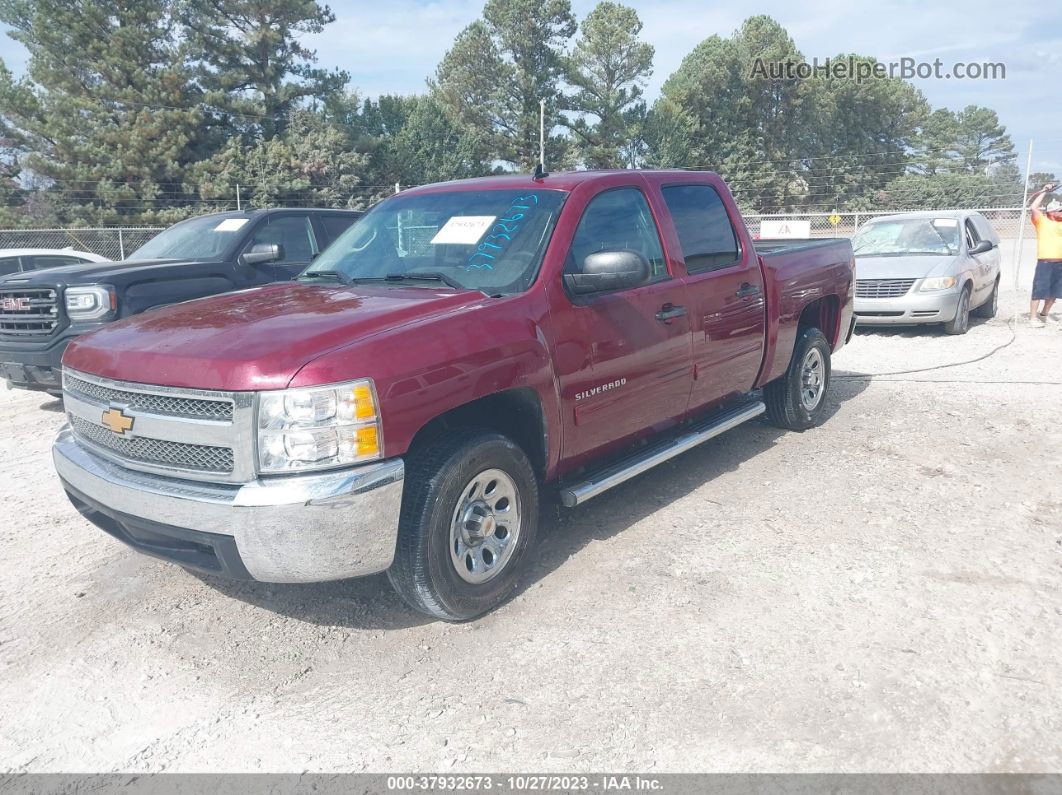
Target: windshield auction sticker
[(230, 225), (463, 230)]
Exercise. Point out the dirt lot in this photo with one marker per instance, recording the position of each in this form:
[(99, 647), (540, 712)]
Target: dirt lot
[(880, 594)]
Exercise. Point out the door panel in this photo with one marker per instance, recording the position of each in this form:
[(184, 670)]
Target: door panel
[(622, 369), (725, 293)]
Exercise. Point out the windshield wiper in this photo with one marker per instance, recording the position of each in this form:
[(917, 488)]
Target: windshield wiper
[(337, 275), (413, 276)]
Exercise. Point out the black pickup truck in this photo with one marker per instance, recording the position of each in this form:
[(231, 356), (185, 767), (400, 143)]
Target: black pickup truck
[(40, 312)]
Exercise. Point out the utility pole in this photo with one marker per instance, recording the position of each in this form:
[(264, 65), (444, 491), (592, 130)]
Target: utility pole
[(542, 133), (238, 208), (1021, 223)]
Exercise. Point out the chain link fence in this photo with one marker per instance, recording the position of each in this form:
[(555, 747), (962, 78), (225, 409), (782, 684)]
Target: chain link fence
[(115, 243)]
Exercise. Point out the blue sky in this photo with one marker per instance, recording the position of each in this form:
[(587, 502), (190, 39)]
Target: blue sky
[(392, 46)]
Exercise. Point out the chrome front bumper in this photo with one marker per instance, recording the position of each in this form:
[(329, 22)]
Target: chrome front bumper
[(915, 307), (299, 528)]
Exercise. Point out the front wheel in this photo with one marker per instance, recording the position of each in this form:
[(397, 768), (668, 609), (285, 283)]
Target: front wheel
[(469, 516), (960, 324), (797, 400)]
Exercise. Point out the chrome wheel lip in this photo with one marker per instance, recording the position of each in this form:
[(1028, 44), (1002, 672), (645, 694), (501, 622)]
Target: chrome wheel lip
[(812, 379), (485, 526)]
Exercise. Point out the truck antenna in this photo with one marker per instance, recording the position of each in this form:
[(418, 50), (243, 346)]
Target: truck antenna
[(540, 171)]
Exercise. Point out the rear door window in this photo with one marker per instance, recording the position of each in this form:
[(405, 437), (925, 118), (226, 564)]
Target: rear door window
[(44, 261), (8, 265), (703, 226), (335, 225)]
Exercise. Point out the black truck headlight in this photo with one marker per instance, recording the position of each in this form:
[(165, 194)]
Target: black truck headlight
[(90, 301), (318, 427)]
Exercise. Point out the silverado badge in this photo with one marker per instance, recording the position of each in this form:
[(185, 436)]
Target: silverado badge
[(118, 421)]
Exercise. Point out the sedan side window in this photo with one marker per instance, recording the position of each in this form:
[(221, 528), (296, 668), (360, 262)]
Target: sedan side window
[(293, 233), (618, 219)]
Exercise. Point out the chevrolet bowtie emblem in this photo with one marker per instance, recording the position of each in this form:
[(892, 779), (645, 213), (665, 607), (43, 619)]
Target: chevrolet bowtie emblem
[(117, 421)]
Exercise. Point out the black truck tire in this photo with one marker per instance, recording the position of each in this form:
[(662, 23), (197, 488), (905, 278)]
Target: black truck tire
[(797, 400), (469, 516)]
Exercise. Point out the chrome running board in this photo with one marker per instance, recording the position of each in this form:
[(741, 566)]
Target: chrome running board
[(637, 463)]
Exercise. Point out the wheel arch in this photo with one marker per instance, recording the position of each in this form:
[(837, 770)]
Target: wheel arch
[(824, 314), (517, 413)]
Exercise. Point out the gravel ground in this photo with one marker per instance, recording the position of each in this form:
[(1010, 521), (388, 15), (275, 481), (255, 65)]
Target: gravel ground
[(879, 594)]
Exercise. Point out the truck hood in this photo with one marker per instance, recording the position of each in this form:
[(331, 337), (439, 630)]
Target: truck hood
[(254, 339), (903, 267), (98, 272)]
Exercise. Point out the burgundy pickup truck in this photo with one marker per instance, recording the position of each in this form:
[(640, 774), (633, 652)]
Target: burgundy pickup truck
[(404, 405)]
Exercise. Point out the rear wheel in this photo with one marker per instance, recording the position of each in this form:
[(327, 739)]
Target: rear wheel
[(991, 306), (469, 516), (960, 324), (797, 400)]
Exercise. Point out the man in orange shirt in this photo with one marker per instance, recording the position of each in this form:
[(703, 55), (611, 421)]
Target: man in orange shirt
[(1047, 281)]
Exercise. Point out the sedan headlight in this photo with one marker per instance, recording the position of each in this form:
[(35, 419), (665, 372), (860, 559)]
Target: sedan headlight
[(319, 427), (938, 283), (90, 301)]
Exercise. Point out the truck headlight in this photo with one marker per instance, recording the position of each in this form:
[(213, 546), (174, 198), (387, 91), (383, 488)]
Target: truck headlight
[(938, 283), (318, 427), (90, 301)]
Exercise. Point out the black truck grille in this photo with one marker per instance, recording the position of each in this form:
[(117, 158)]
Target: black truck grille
[(29, 312), (173, 406), (157, 452)]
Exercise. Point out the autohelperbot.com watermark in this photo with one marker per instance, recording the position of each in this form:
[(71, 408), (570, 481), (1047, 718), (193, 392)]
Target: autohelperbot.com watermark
[(860, 70)]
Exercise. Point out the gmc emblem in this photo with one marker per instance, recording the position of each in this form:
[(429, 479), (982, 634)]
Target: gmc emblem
[(15, 304)]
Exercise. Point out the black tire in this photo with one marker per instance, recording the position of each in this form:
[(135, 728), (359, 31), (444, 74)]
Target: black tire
[(783, 396), (423, 572), (989, 308), (960, 324)]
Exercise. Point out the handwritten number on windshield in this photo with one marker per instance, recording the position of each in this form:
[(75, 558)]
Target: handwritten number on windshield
[(503, 230)]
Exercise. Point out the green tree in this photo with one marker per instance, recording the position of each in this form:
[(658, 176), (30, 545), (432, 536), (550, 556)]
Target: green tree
[(310, 164), (981, 139), (863, 132), (498, 69), (430, 147), (252, 64), (739, 118), (608, 68), (106, 116)]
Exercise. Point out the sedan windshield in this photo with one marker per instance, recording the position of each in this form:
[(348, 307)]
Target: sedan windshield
[(205, 238), (489, 240), (911, 237)]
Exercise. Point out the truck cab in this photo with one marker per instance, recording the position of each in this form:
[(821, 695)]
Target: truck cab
[(41, 311), (467, 346)]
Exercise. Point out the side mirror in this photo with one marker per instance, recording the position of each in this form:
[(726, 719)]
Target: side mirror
[(982, 247), (263, 252), (609, 270)]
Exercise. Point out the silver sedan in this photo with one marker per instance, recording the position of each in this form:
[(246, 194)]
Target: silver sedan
[(926, 267)]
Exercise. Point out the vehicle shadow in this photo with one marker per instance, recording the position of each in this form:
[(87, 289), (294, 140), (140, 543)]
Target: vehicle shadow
[(52, 404), (371, 603)]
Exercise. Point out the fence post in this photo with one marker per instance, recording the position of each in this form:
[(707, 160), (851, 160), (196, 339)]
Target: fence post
[(121, 245), (398, 187)]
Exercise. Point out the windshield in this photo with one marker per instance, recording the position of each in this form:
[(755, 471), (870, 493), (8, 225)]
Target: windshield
[(205, 238), (489, 240), (912, 237)]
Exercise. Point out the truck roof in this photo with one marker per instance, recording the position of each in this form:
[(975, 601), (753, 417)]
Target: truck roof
[(563, 180), (257, 212)]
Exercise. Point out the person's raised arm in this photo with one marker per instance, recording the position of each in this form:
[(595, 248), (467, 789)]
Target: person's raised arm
[(1038, 199)]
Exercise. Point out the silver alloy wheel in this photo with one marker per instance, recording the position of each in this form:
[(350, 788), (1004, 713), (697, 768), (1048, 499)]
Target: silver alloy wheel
[(485, 526), (812, 379)]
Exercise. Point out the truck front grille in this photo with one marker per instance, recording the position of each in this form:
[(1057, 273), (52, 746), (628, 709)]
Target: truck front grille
[(157, 452), (169, 405), (29, 311), (883, 288)]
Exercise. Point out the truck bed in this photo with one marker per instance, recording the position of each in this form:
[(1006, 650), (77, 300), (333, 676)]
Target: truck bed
[(767, 246)]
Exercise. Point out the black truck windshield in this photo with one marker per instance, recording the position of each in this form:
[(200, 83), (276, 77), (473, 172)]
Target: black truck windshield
[(489, 240), (206, 238)]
